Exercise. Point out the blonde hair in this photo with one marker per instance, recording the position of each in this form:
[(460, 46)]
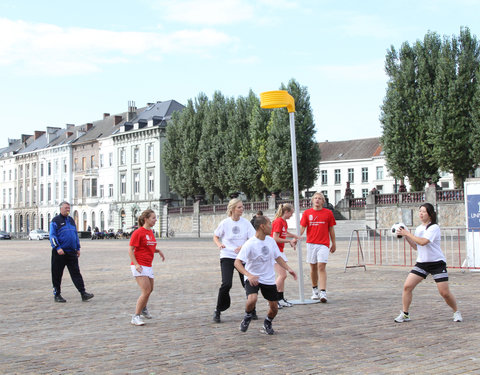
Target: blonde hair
[(318, 194), (285, 207), (144, 215), (232, 204)]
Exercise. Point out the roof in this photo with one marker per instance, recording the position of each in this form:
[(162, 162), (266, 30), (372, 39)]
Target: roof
[(350, 150)]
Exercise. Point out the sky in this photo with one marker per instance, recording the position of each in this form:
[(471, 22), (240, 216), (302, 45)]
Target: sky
[(68, 62)]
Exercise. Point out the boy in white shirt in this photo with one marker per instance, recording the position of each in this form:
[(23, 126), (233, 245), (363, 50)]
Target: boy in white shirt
[(259, 254)]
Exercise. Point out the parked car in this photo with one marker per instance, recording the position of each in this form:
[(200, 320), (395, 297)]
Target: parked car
[(38, 234), (5, 235)]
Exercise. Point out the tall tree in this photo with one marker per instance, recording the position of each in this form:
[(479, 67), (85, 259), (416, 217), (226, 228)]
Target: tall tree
[(456, 83)]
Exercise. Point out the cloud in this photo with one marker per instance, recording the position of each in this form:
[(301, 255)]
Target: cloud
[(49, 49)]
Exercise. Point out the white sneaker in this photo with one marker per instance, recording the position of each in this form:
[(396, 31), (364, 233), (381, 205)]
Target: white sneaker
[(284, 303), (145, 314), (315, 294), (323, 296), (457, 317), (402, 318), (137, 320)]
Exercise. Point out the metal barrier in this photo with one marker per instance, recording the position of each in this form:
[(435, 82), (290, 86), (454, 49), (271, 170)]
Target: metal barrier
[(381, 247)]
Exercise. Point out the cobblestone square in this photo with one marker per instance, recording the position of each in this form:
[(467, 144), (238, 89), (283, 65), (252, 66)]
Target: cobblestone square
[(353, 333)]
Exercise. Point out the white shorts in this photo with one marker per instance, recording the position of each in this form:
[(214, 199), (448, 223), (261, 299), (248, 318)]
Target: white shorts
[(317, 253), (284, 257), (146, 271)]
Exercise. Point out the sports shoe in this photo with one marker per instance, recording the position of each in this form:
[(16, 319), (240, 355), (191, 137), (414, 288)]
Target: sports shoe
[(267, 327), (457, 317), (59, 298), (145, 314), (137, 320), (315, 294), (284, 303), (86, 296), (254, 315), (216, 316), (278, 304), (323, 296), (244, 324), (402, 317)]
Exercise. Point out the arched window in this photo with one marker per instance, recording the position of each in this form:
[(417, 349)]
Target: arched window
[(84, 221), (20, 223), (102, 221), (93, 220), (41, 222)]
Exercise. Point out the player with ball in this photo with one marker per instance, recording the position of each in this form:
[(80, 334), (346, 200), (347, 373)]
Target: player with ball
[(430, 260)]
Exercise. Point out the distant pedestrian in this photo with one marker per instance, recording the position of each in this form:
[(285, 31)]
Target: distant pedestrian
[(259, 254), (430, 259), (65, 252), (230, 236), (143, 247), (281, 236)]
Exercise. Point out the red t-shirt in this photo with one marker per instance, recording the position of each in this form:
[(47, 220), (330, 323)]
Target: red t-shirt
[(317, 223), (279, 225), (145, 244)]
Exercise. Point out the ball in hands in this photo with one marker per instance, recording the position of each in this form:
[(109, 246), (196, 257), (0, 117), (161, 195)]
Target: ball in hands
[(396, 227)]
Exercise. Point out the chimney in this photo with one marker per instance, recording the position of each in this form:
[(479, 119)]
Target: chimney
[(132, 110), (25, 137), (38, 134), (12, 141), (68, 134), (117, 120), (69, 126), (90, 125), (51, 133), (105, 115)]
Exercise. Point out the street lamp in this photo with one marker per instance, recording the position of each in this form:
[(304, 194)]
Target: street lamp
[(281, 99)]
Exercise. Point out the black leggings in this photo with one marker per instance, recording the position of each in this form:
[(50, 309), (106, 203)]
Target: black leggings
[(227, 267)]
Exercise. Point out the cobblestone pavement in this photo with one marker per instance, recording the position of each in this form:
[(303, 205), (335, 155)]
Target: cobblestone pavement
[(353, 333)]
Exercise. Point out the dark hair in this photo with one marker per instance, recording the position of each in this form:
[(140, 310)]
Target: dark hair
[(145, 215), (431, 212), (259, 220)]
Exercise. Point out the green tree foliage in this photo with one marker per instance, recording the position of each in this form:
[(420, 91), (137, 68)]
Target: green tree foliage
[(476, 123)]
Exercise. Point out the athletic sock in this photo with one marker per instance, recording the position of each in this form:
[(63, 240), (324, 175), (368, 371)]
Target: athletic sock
[(269, 319), (405, 313), (322, 290), (280, 296), (315, 287)]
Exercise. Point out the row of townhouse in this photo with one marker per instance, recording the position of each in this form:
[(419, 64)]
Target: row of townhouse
[(109, 170), (361, 164)]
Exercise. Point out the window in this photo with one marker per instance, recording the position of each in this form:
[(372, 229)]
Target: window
[(49, 169), (27, 171), (151, 182), (10, 174), (101, 190), (34, 169), (85, 188), (136, 155), (325, 193), (136, 183), (110, 159), (94, 187), (20, 193), (365, 174), (110, 190), (64, 166), (324, 177), (92, 161), (123, 184), (41, 193), (20, 171), (123, 157), (351, 175), (49, 191), (364, 193), (75, 192), (150, 152), (64, 189), (101, 160), (57, 190), (75, 164), (337, 176), (380, 189), (84, 163), (379, 173)]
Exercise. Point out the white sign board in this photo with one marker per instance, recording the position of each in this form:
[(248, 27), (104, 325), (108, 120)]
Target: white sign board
[(472, 220)]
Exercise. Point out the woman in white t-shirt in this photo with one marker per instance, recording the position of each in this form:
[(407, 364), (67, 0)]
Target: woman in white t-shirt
[(430, 259), (229, 236)]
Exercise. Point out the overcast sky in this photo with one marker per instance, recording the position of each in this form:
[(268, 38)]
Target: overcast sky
[(67, 61)]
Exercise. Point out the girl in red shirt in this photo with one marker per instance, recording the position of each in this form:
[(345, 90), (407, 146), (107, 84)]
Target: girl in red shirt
[(143, 247), (280, 234)]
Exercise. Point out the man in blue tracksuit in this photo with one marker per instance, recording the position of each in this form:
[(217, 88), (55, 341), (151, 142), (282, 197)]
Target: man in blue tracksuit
[(65, 252)]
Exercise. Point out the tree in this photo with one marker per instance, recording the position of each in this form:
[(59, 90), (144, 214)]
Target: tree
[(455, 87), (278, 150)]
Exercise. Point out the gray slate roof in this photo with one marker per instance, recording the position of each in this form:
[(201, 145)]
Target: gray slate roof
[(350, 150)]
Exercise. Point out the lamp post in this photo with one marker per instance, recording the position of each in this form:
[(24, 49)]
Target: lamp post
[(281, 99)]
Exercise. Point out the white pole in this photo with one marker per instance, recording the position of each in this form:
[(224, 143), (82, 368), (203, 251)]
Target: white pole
[(296, 201)]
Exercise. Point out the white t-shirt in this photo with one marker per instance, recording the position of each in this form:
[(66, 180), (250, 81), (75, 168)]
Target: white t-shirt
[(259, 257), (432, 251), (233, 234)]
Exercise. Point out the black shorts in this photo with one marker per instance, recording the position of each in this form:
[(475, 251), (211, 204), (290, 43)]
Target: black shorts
[(269, 292), (437, 269)]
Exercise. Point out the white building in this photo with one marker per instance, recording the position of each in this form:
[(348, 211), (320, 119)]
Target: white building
[(361, 162)]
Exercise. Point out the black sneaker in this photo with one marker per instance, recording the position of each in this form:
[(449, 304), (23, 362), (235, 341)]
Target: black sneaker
[(59, 298), (216, 316), (267, 327), (86, 296), (244, 324), (254, 315)]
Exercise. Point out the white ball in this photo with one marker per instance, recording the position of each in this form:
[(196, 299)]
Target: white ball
[(397, 226)]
